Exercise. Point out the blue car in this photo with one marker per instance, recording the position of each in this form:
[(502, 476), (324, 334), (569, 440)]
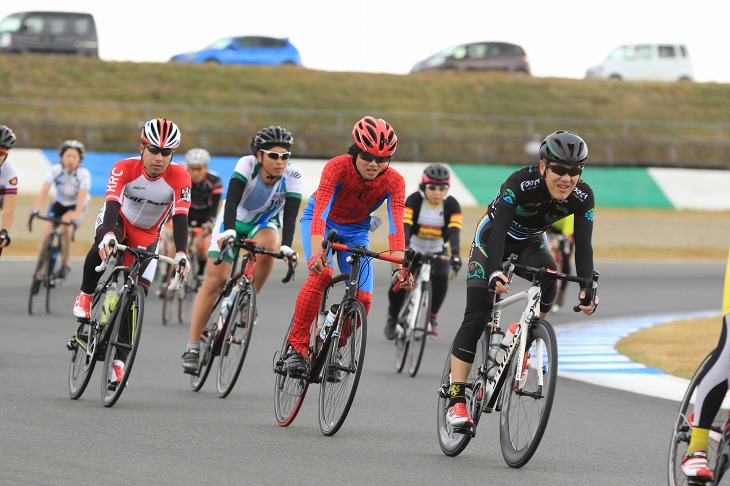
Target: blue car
[(250, 50)]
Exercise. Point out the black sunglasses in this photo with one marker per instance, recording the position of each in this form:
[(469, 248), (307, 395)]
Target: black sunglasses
[(157, 150), (560, 171), (277, 155), (368, 157), (437, 187)]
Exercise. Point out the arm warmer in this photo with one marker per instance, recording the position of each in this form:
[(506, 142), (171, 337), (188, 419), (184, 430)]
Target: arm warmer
[(583, 250), (235, 193), (180, 231), (111, 216), (213, 211), (291, 209)]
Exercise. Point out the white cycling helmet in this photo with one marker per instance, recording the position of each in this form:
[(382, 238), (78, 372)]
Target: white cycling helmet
[(197, 157), (161, 133)]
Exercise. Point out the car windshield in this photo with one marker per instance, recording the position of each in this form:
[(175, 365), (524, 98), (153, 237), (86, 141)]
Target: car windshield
[(10, 23), (456, 52), (221, 43)]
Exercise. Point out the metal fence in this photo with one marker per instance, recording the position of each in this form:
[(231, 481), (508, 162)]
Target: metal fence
[(455, 138)]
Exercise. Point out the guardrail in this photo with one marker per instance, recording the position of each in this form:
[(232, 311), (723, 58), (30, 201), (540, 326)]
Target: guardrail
[(454, 138)]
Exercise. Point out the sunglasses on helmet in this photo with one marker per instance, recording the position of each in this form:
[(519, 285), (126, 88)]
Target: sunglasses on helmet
[(368, 157), (560, 170), (157, 150), (277, 155)]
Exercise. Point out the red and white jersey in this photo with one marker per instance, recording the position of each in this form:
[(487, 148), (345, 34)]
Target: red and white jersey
[(148, 203)]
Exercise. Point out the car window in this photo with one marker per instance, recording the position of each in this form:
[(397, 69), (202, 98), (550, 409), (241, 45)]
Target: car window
[(82, 25), (459, 52), (683, 50), (10, 23), (271, 42), (57, 26), (33, 25), (667, 52), (477, 51)]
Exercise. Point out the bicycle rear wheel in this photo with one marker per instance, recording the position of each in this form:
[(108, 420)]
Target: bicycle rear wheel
[(169, 297), (236, 340), (341, 373), (289, 391), (123, 343), (84, 349), (186, 295), (524, 415), (209, 345), (683, 431), (452, 443), (43, 264), (420, 331)]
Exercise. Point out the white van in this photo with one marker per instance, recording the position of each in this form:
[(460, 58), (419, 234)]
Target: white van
[(645, 62), (49, 32)]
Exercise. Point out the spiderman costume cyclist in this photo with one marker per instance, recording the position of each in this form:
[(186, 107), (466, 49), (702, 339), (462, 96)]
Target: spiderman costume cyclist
[(353, 185)]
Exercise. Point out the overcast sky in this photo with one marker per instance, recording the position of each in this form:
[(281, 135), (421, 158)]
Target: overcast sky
[(562, 38)]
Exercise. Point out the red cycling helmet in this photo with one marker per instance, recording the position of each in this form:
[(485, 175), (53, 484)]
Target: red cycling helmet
[(375, 136)]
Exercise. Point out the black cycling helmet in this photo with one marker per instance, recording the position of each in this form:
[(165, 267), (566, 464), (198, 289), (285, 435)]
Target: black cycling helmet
[(7, 137), (271, 137), (72, 144), (436, 174), (564, 148)]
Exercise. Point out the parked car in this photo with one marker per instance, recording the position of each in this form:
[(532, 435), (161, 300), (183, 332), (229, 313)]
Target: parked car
[(49, 32), (500, 56), (245, 50), (645, 62)]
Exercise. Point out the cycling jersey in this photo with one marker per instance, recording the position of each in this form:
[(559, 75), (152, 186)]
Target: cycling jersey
[(565, 226), (68, 185), (428, 228), (205, 195), (8, 181)]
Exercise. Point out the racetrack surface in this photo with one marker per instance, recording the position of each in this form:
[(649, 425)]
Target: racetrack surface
[(162, 433)]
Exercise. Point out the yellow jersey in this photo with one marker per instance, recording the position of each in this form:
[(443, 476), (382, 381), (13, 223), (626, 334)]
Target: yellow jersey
[(565, 225)]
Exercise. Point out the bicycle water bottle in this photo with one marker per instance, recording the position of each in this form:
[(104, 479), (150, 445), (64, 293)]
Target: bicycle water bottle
[(495, 341), (328, 320), (502, 353), (110, 302), (227, 307), (54, 256)]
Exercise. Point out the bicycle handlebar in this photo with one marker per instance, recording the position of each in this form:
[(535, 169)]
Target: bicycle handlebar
[(251, 247), (144, 252), (56, 221)]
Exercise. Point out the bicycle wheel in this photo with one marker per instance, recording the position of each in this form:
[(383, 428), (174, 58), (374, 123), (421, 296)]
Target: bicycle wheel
[(209, 345), (452, 443), (341, 373), (236, 340), (683, 432), (168, 296), (123, 343), (403, 332), (186, 295), (84, 349), (420, 331), (524, 415), (289, 391), (43, 261)]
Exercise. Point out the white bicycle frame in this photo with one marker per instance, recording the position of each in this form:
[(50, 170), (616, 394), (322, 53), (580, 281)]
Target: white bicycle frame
[(410, 308), (532, 296)]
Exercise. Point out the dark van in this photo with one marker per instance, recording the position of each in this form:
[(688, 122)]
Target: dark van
[(49, 32)]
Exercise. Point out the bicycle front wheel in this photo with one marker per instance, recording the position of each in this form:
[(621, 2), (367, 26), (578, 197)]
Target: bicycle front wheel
[(42, 267), (289, 391), (526, 410), (209, 345), (236, 340), (83, 349), (186, 295), (169, 297), (683, 432), (123, 344), (341, 373), (419, 332)]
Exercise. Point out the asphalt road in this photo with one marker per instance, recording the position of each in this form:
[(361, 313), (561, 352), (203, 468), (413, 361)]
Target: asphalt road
[(160, 432)]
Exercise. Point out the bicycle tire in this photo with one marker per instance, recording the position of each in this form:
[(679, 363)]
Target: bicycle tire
[(186, 295), (236, 340), (209, 344), (132, 316), (452, 443), (420, 332), (342, 370), (289, 392), (41, 264), (84, 360), (682, 432), (402, 335), (519, 432), (168, 296)]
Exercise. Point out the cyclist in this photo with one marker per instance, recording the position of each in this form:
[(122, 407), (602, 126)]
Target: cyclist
[(205, 199), (431, 221), (72, 183), (141, 194), (515, 222), (711, 391), (352, 186), (8, 184), (262, 187), (563, 227)]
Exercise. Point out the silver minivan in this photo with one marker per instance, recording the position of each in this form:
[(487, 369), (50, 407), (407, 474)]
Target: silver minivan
[(645, 62), (49, 32)]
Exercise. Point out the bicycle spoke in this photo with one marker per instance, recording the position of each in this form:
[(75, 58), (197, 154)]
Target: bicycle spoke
[(236, 340), (289, 392), (208, 346)]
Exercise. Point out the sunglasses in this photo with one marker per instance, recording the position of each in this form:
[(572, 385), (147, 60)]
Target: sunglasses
[(157, 150), (196, 168), (437, 187), (368, 157), (277, 155), (560, 171)]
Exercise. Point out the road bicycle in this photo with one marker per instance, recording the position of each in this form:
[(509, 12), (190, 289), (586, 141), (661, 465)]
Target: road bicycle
[(183, 296), (413, 319), (337, 351), (521, 386), (48, 262), (228, 331), (114, 326), (718, 454)]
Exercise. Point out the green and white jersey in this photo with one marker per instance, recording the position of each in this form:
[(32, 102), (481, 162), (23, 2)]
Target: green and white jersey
[(290, 184)]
